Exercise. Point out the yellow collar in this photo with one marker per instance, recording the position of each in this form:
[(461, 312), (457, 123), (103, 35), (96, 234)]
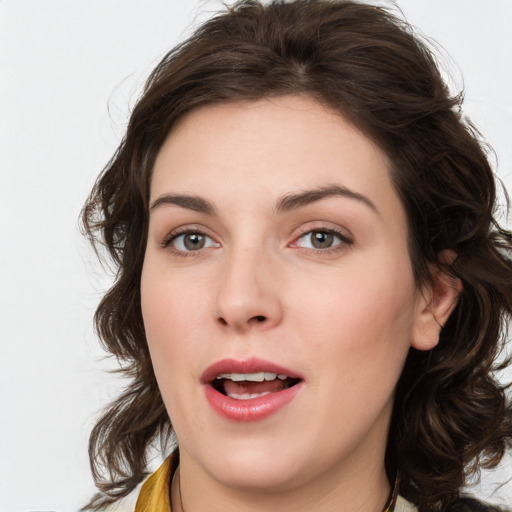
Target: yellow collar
[(154, 495)]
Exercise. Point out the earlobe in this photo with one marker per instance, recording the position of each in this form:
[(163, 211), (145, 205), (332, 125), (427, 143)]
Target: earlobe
[(436, 304)]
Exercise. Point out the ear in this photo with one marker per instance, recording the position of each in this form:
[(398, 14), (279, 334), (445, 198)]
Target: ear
[(437, 302)]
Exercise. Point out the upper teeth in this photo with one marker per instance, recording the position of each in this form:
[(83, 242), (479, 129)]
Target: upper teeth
[(254, 377)]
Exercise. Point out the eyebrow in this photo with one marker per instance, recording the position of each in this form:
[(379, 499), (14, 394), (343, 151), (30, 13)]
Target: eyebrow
[(293, 201), (197, 204), (284, 204)]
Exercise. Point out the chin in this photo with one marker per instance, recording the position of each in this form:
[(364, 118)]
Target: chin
[(267, 478), (257, 470)]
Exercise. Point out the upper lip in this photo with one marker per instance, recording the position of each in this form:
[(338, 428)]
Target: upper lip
[(251, 365)]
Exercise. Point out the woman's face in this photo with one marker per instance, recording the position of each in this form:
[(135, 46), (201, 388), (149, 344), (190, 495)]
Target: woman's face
[(277, 250)]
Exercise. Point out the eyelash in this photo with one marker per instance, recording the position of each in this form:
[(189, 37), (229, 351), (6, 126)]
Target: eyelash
[(344, 241), (167, 243)]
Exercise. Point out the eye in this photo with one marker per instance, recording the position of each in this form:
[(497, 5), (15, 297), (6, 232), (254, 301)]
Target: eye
[(321, 239), (190, 241)]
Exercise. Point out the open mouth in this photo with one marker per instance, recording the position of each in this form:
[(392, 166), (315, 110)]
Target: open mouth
[(247, 386), (245, 390)]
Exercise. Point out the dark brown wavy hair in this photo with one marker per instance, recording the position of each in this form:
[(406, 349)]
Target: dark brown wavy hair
[(451, 415)]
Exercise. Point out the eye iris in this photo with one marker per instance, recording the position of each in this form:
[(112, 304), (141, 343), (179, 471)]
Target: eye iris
[(194, 241), (321, 239)]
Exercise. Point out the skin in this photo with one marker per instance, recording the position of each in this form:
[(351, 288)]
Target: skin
[(343, 316)]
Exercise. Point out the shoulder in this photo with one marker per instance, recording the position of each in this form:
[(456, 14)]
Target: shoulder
[(467, 504), (463, 504)]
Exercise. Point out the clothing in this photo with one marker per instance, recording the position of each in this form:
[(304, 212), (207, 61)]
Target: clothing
[(403, 505), (154, 495)]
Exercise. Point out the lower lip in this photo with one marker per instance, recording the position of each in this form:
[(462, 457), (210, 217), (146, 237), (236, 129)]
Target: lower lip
[(254, 409)]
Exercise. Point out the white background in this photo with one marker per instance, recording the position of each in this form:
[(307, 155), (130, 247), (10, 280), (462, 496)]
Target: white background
[(69, 71)]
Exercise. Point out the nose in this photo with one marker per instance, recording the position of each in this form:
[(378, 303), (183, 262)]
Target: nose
[(248, 295)]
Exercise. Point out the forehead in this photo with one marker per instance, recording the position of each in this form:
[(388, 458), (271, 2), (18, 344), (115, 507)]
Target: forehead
[(278, 145)]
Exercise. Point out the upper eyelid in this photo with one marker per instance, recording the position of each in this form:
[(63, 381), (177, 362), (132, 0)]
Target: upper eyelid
[(190, 228), (344, 233)]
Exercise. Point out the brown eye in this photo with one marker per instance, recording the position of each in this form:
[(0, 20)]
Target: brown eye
[(321, 239), (191, 241)]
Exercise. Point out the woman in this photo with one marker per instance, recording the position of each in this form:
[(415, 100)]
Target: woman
[(312, 286)]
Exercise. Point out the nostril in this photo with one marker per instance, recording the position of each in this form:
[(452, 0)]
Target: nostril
[(254, 319)]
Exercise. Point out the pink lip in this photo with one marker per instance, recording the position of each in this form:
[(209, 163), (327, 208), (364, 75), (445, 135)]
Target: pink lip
[(253, 409)]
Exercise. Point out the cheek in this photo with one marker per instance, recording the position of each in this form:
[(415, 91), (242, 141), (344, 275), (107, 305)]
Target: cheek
[(363, 318), (172, 319), (171, 301)]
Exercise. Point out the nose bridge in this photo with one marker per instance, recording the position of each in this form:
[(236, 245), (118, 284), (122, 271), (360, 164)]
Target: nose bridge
[(248, 297)]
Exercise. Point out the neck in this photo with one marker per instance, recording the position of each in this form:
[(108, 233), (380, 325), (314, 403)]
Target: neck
[(355, 490)]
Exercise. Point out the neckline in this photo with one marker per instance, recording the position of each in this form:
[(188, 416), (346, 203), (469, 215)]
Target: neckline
[(156, 491)]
